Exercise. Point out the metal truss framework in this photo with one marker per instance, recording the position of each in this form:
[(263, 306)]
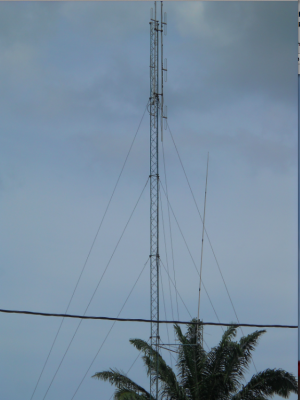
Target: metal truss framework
[(154, 197), (156, 111)]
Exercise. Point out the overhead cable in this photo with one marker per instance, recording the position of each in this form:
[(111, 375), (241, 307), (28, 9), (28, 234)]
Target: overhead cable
[(146, 320)]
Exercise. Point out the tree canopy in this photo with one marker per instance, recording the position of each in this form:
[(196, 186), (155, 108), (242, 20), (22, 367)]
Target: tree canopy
[(211, 375)]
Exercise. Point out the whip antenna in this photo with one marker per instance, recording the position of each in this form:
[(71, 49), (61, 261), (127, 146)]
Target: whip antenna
[(203, 229)]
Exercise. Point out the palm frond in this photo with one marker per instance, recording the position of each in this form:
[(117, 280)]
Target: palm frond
[(191, 359), (238, 359), (150, 355), (229, 334), (268, 383), (120, 380), (217, 384), (141, 345), (213, 375), (126, 394), (248, 344), (170, 388)]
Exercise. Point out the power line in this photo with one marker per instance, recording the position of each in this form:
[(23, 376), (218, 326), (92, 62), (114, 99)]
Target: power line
[(145, 320), (89, 253)]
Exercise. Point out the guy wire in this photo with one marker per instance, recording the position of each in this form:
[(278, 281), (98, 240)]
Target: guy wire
[(110, 329), (191, 256), (171, 239), (91, 248), (167, 261), (96, 288)]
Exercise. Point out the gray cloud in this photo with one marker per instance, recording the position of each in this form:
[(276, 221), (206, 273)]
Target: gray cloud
[(244, 48)]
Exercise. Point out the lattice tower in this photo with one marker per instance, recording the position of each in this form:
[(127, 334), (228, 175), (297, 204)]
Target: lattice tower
[(156, 112)]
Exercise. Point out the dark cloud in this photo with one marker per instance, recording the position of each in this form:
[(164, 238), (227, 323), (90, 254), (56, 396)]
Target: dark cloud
[(234, 50)]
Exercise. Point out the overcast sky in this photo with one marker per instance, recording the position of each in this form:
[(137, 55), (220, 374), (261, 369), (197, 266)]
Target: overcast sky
[(74, 84)]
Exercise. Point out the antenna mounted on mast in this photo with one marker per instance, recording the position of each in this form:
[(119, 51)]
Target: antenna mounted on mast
[(203, 230), (156, 109)]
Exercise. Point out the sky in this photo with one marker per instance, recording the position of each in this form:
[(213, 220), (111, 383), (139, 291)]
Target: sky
[(74, 84)]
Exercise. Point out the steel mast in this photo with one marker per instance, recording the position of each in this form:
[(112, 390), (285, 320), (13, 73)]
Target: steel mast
[(298, 195), (156, 111)]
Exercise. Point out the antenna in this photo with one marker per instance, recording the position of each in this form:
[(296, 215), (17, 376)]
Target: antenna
[(156, 109), (203, 229), (161, 72), (163, 68), (154, 204)]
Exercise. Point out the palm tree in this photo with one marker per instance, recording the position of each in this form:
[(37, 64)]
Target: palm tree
[(214, 375)]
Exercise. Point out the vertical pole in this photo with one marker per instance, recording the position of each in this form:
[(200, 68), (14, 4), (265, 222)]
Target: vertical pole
[(154, 204), (162, 72), (298, 195), (202, 243)]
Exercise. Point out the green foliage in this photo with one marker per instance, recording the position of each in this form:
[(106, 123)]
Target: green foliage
[(214, 375)]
